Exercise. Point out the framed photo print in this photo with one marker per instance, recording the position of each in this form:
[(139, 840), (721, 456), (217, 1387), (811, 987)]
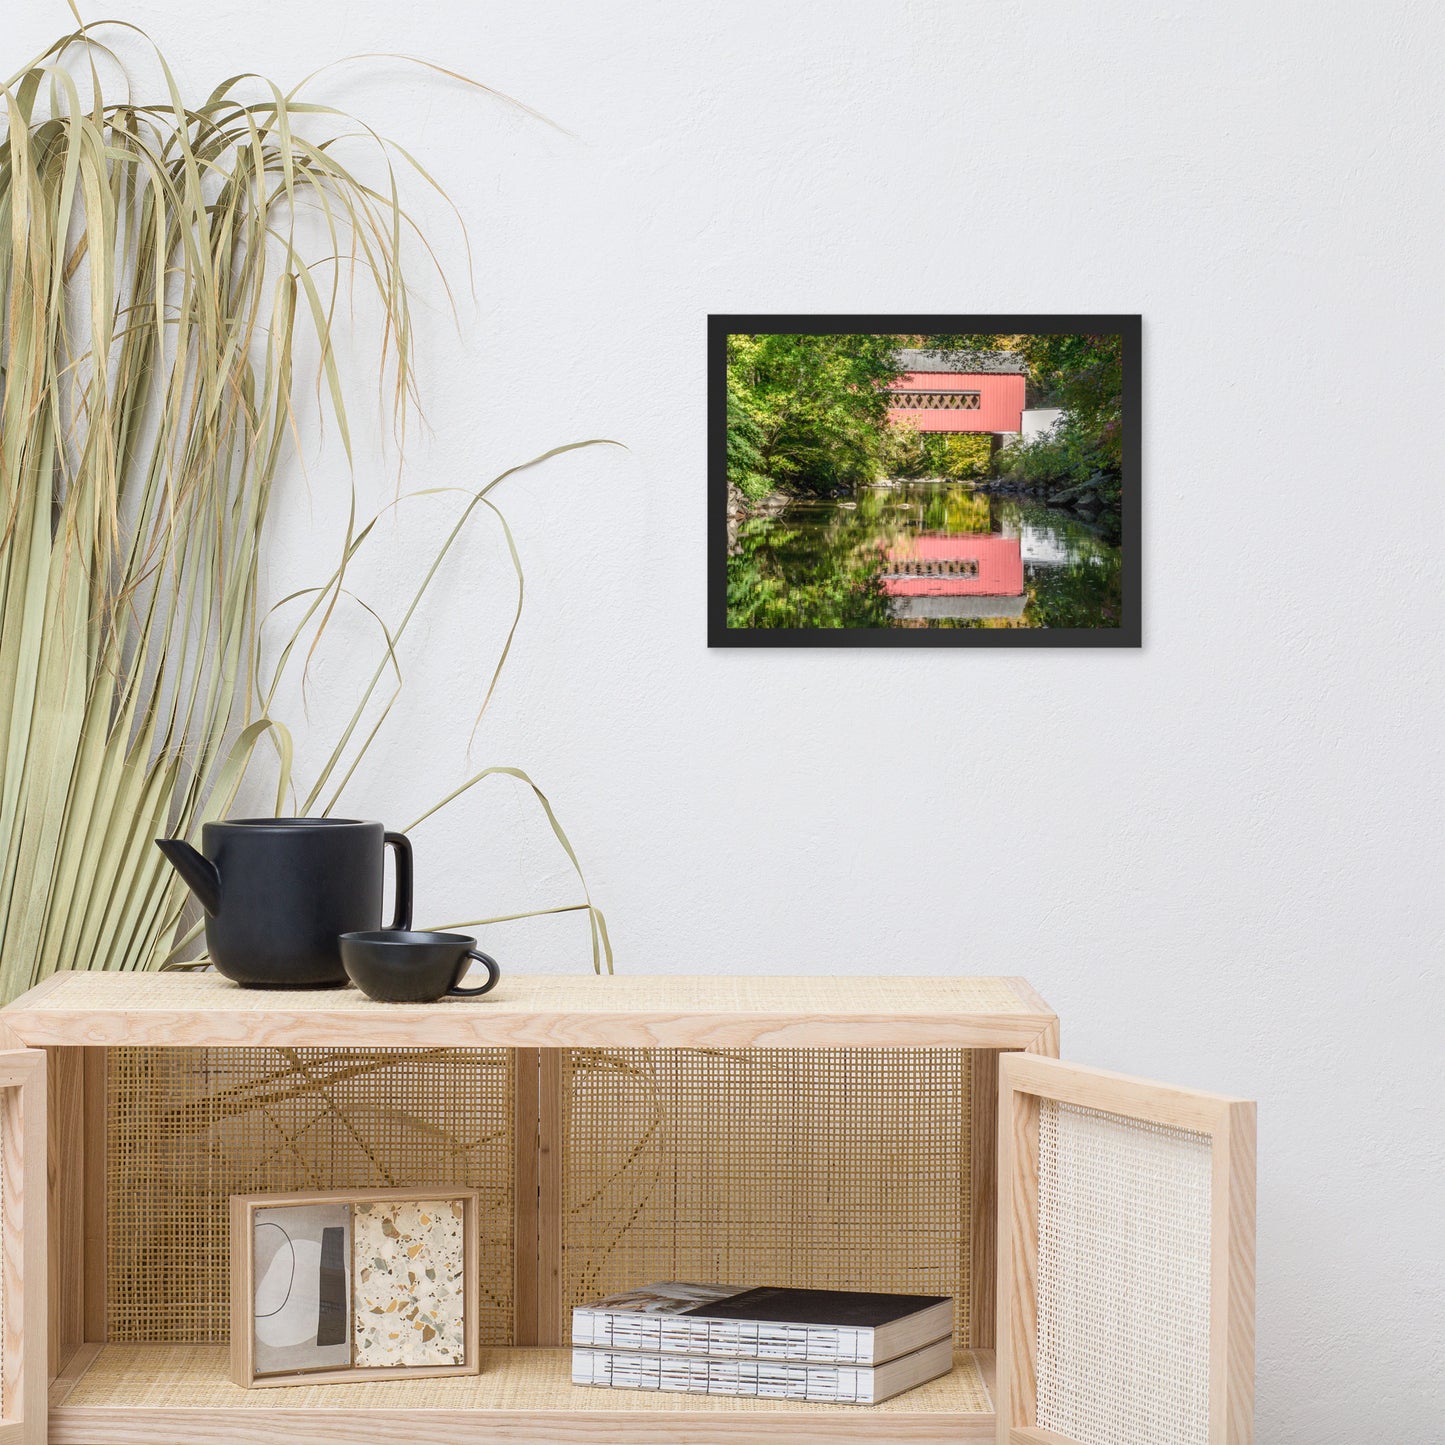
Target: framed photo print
[(923, 481), (353, 1286)]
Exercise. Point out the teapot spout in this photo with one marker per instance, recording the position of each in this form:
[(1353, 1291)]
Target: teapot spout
[(199, 873)]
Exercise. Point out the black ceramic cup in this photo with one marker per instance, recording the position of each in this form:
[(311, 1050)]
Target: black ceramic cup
[(393, 965)]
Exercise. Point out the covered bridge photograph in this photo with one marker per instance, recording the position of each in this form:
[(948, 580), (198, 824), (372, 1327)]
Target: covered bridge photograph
[(941, 482)]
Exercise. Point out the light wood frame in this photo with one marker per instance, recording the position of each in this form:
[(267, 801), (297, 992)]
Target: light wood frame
[(24, 1146), (243, 1285), (1024, 1081)]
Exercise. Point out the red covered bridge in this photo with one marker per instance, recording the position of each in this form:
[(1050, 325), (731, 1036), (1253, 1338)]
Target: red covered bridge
[(957, 392)]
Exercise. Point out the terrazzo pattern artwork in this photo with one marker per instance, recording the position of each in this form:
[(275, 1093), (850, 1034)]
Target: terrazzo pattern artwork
[(409, 1290)]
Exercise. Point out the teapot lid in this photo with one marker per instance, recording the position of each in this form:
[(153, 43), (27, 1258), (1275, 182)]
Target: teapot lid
[(288, 823)]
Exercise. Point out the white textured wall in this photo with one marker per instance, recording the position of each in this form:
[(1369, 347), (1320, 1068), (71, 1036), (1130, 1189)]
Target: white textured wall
[(1224, 852)]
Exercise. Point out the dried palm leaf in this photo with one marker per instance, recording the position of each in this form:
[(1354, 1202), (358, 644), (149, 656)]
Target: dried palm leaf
[(155, 295)]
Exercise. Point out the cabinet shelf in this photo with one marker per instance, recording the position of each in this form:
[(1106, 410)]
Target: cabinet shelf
[(550, 1011), (181, 1395)]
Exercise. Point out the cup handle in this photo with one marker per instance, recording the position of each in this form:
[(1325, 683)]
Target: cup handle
[(402, 845), (494, 972)]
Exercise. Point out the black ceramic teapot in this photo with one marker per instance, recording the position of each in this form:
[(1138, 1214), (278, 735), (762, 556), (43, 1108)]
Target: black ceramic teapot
[(279, 891)]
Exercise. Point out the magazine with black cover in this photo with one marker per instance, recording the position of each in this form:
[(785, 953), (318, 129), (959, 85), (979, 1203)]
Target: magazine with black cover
[(766, 1379), (765, 1322)]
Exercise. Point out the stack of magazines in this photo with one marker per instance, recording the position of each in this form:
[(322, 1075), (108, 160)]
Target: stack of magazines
[(830, 1346)]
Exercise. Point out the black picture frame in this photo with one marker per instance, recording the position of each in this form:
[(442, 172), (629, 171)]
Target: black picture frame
[(1129, 633)]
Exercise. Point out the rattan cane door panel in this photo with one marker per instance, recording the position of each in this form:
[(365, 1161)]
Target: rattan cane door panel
[(24, 1366), (829, 1168), (1126, 1260), (188, 1128)]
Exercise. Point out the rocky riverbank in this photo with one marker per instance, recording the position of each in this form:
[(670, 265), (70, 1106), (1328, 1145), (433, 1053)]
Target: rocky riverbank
[(1087, 501), (770, 505), (740, 508)]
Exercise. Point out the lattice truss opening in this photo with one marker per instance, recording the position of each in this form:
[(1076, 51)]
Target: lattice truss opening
[(941, 567), (187, 1128), (1123, 1279), (825, 1168), (936, 400)]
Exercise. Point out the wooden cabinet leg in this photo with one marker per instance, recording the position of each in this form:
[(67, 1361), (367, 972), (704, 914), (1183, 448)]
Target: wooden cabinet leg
[(537, 1181), (551, 1327), (983, 1231), (75, 1085), (65, 1087), (94, 1070), (525, 1107)]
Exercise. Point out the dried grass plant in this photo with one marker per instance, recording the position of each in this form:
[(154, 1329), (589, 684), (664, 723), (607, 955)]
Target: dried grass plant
[(156, 294)]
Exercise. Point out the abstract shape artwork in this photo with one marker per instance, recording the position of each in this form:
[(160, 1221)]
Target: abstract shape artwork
[(301, 1287)]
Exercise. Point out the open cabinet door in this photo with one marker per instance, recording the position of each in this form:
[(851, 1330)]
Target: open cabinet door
[(1126, 1260), (23, 1259)]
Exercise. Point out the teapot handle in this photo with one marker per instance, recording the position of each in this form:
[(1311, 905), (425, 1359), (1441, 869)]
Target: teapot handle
[(402, 844)]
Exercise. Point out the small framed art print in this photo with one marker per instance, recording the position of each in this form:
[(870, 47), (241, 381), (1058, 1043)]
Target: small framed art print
[(924, 481), (356, 1285)]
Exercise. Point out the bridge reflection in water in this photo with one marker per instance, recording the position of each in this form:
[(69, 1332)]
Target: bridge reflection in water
[(935, 575), (914, 554)]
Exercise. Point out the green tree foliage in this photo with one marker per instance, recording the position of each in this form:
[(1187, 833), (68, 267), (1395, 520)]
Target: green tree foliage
[(1086, 374), (807, 414), (745, 441), (1068, 456), (954, 456)]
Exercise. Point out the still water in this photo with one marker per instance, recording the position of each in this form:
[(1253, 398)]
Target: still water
[(922, 554)]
